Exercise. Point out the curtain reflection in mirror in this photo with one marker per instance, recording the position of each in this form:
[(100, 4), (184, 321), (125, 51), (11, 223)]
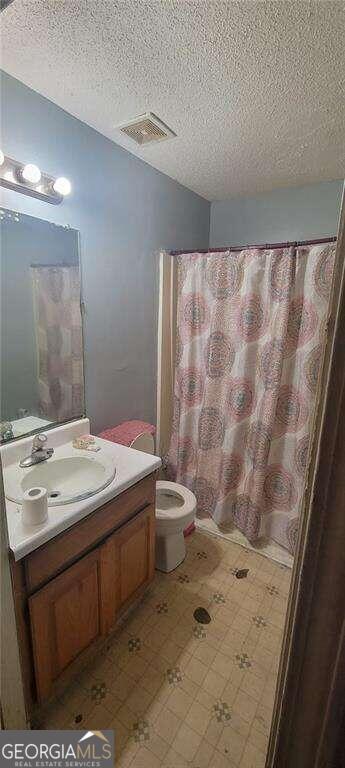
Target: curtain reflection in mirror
[(58, 328)]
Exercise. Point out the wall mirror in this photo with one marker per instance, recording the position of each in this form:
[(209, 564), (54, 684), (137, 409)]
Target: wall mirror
[(41, 355)]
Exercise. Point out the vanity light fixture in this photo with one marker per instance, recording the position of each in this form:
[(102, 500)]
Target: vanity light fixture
[(28, 179)]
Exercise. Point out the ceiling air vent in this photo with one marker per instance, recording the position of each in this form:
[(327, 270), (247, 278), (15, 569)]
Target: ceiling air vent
[(146, 128)]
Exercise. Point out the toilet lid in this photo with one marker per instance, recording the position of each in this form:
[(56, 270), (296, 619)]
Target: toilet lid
[(173, 500)]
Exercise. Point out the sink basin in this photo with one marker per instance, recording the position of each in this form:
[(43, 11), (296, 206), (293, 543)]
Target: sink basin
[(67, 479)]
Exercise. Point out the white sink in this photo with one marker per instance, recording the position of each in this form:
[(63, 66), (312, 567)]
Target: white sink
[(67, 479)]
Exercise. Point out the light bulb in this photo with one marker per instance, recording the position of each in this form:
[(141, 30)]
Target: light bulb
[(62, 186), (31, 173), (2, 157)]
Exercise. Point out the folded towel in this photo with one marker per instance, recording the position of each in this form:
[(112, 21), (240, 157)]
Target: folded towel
[(127, 431)]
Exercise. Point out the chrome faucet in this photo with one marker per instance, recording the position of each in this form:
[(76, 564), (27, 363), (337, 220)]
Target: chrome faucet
[(38, 452)]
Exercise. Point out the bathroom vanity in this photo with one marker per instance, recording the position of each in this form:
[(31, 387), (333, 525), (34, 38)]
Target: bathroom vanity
[(76, 576)]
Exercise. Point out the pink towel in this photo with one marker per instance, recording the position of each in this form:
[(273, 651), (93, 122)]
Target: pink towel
[(126, 432)]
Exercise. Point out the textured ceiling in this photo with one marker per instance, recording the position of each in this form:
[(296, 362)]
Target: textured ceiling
[(254, 90)]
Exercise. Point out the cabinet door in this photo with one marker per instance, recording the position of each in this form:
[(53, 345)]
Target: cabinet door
[(128, 558), (65, 619)]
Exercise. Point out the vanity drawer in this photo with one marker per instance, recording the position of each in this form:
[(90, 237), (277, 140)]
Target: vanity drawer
[(57, 554)]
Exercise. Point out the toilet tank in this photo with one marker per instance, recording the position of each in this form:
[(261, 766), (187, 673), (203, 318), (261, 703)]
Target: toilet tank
[(144, 442)]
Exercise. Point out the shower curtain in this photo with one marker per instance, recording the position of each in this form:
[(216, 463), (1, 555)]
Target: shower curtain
[(59, 346), (249, 343)]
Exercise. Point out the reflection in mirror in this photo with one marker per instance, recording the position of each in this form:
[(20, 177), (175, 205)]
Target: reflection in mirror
[(41, 357)]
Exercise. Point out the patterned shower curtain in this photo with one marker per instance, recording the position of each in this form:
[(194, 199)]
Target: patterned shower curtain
[(59, 346), (250, 328)]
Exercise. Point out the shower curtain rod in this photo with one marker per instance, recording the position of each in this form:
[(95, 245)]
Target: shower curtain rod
[(259, 246)]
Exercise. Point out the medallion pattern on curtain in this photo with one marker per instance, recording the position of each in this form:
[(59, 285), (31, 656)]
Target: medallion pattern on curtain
[(56, 295), (249, 343)]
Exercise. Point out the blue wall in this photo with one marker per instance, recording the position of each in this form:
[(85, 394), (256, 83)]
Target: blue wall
[(125, 211), (284, 214)]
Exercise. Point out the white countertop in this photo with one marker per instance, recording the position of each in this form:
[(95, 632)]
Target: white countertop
[(131, 466)]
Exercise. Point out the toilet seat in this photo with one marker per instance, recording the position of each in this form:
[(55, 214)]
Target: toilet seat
[(173, 502)]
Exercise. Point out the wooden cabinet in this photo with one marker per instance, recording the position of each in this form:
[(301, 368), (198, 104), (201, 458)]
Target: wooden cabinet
[(66, 617), (127, 565), (134, 544), (72, 604)]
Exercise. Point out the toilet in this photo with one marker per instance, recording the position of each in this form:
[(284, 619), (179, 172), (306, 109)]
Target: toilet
[(175, 511)]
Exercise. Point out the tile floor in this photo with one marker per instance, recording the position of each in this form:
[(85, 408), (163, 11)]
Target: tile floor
[(178, 693), (231, 533)]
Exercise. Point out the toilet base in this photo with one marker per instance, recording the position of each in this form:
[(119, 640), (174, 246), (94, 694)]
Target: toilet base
[(170, 551)]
